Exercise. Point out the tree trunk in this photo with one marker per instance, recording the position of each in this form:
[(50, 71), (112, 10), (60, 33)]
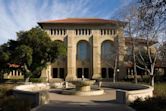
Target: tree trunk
[(134, 62), (1, 77), (152, 80), (135, 74), (27, 73), (152, 75), (27, 79), (115, 68)]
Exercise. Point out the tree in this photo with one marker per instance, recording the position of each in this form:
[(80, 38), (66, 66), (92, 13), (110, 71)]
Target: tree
[(34, 50), (152, 24), (162, 56), (131, 31), (23, 56), (4, 58), (147, 22), (163, 52)]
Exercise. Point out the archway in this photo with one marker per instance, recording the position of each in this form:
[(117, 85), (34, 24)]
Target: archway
[(58, 69), (107, 59), (83, 59)]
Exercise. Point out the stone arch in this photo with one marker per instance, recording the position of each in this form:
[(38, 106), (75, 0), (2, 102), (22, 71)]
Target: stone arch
[(83, 59), (107, 58), (58, 68), (107, 49), (83, 50)]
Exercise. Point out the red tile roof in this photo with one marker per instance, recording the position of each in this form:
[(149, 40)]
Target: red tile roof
[(81, 21), (128, 40), (13, 65)]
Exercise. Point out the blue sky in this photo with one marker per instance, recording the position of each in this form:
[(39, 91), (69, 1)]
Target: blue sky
[(17, 15)]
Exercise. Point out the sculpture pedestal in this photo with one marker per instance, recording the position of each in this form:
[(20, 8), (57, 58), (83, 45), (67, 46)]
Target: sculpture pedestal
[(83, 88)]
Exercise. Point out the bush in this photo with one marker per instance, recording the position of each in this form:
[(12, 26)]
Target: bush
[(150, 104), (12, 103), (2, 92), (14, 80), (38, 80), (5, 92)]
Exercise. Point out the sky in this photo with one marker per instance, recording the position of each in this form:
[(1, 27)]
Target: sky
[(21, 15)]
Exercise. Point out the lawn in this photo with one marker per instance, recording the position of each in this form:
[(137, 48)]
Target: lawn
[(160, 89)]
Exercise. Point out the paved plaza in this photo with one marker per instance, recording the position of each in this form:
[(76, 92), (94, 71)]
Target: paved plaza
[(106, 102)]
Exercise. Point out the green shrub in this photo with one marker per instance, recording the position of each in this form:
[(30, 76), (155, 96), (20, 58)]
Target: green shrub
[(5, 92), (38, 80), (150, 104), (14, 80), (12, 103), (2, 92)]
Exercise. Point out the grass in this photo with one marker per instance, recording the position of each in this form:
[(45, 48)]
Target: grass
[(160, 89)]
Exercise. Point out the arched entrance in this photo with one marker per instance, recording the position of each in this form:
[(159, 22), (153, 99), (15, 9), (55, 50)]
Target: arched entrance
[(59, 67), (107, 59), (83, 59)]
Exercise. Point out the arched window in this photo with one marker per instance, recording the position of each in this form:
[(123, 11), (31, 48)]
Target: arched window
[(107, 50), (83, 50)]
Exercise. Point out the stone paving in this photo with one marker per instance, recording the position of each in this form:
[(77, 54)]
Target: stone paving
[(106, 102)]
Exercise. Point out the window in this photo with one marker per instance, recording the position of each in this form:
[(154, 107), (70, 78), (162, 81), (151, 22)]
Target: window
[(58, 31), (107, 72), (86, 72), (58, 73), (61, 73), (51, 31), (79, 72), (110, 72), (83, 31), (108, 31), (104, 72), (55, 73), (101, 32)]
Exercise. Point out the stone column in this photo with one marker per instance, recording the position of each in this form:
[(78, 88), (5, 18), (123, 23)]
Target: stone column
[(96, 55), (10, 74), (121, 49), (71, 55), (14, 73)]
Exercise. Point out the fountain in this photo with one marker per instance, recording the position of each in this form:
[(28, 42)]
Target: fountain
[(83, 88)]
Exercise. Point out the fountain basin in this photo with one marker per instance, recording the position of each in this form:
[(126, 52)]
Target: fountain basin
[(93, 92), (83, 88), (83, 85)]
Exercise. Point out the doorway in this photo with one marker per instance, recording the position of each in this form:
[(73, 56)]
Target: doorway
[(83, 72)]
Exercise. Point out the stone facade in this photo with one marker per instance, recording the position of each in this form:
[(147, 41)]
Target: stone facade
[(96, 33)]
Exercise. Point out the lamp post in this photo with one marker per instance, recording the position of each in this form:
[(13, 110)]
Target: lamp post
[(117, 70)]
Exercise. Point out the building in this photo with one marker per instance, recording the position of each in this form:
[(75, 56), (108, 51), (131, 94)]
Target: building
[(93, 45)]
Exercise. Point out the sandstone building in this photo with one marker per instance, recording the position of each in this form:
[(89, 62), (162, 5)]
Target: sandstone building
[(92, 46)]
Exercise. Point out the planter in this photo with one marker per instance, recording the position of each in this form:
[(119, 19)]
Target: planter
[(36, 94)]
